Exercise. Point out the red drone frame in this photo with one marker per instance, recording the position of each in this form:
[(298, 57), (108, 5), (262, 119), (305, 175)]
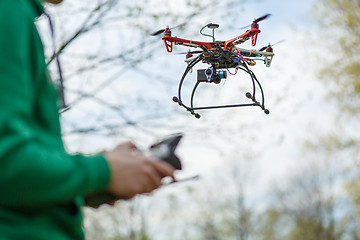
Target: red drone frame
[(221, 55), (227, 45)]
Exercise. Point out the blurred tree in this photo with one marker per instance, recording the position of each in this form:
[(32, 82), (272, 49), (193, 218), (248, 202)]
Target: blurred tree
[(223, 207), (269, 224), (308, 206), (341, 18), (129, 223)]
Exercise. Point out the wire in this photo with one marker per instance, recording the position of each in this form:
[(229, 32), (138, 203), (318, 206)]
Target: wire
[(236, 70)]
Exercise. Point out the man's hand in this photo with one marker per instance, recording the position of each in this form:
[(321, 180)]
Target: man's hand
[(132, 173)]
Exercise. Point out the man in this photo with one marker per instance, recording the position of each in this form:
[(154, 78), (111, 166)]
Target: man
[(41, 186)]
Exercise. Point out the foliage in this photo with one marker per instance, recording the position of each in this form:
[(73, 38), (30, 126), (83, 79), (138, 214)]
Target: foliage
[(309, 206), (343, 76), (342, 19)]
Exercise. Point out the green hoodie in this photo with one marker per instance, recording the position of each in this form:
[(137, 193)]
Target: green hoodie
[(41, 186)]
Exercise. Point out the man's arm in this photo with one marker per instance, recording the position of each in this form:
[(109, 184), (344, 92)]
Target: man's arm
[(35, 170)]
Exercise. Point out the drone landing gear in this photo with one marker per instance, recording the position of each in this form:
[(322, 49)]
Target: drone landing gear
[(256, 103), (197, 115), (212, 75), (191, 110)]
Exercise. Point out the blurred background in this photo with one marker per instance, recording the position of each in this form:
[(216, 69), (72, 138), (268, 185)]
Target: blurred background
[(292, 174)]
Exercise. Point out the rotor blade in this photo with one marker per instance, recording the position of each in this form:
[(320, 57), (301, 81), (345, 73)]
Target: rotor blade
[(192, 52), (244, 27), (158, 32), (271, 45), (281, 41), (258, 20), (179, 26), (262, 18), (163, 30), (263, 48)]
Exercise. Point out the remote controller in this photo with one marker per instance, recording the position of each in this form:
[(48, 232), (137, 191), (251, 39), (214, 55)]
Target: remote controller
[(165, 150)]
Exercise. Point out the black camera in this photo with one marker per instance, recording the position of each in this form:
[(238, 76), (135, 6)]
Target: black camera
[(211, 76)]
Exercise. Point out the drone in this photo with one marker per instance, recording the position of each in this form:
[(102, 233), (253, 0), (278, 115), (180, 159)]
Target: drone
[(221, 56)]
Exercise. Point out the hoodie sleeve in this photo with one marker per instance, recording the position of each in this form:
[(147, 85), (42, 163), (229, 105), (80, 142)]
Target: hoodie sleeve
[(35, 170)]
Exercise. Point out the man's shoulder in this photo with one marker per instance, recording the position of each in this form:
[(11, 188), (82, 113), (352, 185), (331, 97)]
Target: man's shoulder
[(22, 8)]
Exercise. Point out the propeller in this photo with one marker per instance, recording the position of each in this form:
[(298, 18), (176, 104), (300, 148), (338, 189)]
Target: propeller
[(163, 30), (191, 52), (258, 20), (262, 18), (270, 45)]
